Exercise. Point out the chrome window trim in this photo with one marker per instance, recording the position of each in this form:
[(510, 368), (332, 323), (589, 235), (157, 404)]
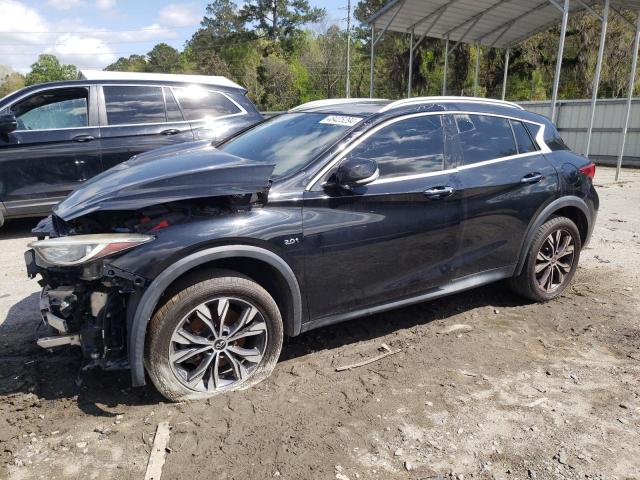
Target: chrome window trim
[(539, 140), (172, 87), (43, 89)]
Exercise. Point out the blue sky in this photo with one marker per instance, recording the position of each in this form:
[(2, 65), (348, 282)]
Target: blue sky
[(94, 33)]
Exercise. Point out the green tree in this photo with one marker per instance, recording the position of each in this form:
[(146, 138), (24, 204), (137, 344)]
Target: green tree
[(164, 58), (280, 19), (135, 63), (222, 19), (10, 83), (49, 69)]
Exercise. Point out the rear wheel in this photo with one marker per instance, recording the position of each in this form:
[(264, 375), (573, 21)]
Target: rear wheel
[(551, 262), (221, 334)]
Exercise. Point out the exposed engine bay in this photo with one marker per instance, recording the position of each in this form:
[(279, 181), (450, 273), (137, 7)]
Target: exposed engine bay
[(86, 304)]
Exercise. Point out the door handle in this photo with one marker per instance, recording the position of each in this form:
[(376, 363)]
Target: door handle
[(83, 138), (436, 193), (170, 131), (533, 177)]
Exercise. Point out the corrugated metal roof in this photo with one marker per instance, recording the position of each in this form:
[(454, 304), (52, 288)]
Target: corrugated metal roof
[(498, 23)]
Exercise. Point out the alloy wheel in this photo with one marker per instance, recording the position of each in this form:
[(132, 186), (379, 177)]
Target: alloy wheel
[(554, 260), (218, 344)]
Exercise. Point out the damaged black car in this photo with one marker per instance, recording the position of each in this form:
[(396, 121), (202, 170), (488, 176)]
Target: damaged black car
[(189, 264)]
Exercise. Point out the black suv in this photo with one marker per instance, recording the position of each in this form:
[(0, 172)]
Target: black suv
[(192, 264), (54, 136)]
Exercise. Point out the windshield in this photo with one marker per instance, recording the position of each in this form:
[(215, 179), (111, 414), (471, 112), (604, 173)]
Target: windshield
[(291, 140)]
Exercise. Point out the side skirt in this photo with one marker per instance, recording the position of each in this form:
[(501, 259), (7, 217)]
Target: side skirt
[(455, 286)]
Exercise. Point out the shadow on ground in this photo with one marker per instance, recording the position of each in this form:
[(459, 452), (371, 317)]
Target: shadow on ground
[(57, 375), (19, 228)]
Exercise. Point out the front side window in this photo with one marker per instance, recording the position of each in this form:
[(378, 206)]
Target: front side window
[(53, 109), (127, 105), (407, 147), (483, 137), (198, 104), (290, 141)]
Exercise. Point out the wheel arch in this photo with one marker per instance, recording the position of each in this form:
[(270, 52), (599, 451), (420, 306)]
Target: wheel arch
[(257, 263), (572, 207)]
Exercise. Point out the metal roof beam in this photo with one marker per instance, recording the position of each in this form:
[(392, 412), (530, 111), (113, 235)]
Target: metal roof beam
[(386, 27), (512, 22), (557, 5), (464, 35), (438, 11), (542, 28), (476, 17), (435, 20), (588, 8), (629, 22)]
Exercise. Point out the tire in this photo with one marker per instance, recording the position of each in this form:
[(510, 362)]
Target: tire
[(188, 355), (537, 285)]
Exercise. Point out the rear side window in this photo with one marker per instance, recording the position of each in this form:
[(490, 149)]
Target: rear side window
[(484, 137), (407, 147), (523, 139), (134, 105), (198, 104)]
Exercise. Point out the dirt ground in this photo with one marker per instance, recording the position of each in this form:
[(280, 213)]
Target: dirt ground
[(486, 386)]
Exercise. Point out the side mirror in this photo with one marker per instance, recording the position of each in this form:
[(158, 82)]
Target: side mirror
[(355, 172), (8, 123)]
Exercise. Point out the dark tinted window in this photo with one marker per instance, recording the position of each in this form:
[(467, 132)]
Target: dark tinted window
[(197, 103), (484, 138), (523, 139), (290, 141), (52, 109), (133, 105), (407, 147), (173, 111), (553, 139)]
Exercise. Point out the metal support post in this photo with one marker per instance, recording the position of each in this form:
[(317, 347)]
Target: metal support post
[(596, 80), (506, 73), (556, 77), (632, 79)]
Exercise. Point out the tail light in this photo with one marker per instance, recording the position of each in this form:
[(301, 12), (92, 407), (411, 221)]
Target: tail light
[(589, 170)]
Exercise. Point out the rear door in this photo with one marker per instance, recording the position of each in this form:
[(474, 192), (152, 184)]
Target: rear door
[(137, 118), (55, 148), (505, 179), (395, 237)]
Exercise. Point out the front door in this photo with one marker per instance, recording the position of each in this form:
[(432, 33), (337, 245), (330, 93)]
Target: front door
[(395, 237), (55, 148), (137, 118)]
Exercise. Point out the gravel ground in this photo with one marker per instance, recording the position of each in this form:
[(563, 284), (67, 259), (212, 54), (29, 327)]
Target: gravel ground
[(486, 386)]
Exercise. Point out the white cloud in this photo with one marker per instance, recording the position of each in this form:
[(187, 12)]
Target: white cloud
[(65, 4), (180, 15), (82, 50), (25, 34), (103, 4)]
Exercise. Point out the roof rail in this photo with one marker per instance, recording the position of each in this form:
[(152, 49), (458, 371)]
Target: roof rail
[(168, 77), (332, 101), (419, 100)]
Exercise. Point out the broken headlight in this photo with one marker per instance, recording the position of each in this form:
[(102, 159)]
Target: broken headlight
[(80, 249)]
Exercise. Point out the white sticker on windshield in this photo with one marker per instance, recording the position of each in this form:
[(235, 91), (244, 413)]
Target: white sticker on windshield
[(342, 120)]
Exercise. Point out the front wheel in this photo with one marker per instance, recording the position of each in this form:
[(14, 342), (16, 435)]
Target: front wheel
[(551, 262), (221, 334)]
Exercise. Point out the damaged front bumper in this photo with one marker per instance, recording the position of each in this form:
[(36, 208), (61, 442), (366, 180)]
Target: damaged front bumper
[(86, 307)]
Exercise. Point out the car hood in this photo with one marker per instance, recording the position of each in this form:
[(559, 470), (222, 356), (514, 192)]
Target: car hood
[(196, 170)]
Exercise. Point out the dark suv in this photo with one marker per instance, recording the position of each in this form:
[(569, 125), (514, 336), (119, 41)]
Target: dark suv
[(192, 264), (54, 136)]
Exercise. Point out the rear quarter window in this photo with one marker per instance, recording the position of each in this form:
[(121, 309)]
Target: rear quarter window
[(198, 104)]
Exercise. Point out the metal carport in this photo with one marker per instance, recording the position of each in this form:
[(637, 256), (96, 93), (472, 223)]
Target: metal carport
[(499, 24)]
